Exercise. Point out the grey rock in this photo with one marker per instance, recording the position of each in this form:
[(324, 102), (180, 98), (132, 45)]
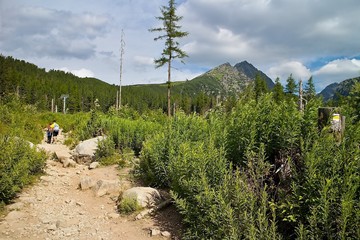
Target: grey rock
[(113, 215), (88, 147), (94, 165), (14, 215), (145, 196), (86, 183), (16, 206), (51, 227), (103, 187), (154, 232), (165, 234), (68, 163)]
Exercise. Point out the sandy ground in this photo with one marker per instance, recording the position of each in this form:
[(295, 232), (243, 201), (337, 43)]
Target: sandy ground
[(55, 208)]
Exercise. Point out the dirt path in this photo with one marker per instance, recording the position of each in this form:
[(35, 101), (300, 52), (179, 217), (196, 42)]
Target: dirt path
[(55, 208)]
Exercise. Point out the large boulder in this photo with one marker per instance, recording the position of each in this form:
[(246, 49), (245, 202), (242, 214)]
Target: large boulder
[(84, 152), (103, 187), (145, 196)]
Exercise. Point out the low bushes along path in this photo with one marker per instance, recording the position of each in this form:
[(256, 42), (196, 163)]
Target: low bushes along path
[(55, 208)]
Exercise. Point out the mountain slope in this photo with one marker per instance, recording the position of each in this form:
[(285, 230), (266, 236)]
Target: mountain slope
[(232, 80), (343, 88), (250, 71)]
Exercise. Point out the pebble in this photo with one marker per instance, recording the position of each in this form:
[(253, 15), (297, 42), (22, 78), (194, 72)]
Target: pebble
[(51, 227), (154, 232), (165, 234)]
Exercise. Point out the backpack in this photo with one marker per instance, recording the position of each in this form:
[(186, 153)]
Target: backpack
[(56, 127)]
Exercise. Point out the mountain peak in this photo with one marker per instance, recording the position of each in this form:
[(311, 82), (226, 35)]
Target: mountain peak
[(249, 70)]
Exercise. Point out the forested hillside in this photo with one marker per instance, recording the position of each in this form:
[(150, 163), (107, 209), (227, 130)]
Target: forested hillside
[(38, 87)]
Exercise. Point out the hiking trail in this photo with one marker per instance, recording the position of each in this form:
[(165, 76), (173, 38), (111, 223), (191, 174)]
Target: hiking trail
[(56, 208)]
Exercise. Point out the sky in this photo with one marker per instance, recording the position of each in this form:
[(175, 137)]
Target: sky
[(318, 38)]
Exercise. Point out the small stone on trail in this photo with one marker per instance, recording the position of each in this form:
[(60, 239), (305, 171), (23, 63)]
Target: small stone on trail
[(113, 215), (51, 227), (14, 215), (68, 163), (94, 165), (16, 206), (86, 183), (154, 232), (165, 234)]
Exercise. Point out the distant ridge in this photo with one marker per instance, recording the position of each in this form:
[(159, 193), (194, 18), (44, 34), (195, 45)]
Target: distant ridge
[(332, 91)]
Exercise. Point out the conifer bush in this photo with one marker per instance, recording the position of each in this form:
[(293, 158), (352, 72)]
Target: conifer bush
[(263, 171), (19, 164)]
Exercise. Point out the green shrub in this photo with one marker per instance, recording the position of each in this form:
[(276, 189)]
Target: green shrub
[(128, 206), (19, 164)]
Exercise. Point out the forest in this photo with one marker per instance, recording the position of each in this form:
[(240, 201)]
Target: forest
[(252, 167), (39, 87)]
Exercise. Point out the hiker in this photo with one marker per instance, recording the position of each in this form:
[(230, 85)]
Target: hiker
[(55, 127), (49, 132)]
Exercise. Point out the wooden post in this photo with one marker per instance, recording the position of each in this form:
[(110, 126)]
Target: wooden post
[(330, 116), (121, 64), (117, 101), (323, 117), (301, 106), (64, 108)]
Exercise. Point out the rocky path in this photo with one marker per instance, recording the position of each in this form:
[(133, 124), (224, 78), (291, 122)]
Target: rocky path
[(55, 208)]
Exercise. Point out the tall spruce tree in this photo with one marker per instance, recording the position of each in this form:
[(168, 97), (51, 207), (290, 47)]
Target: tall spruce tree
[(310, 91), (291, 86), (171, 33), (278, 91), (260, 86)]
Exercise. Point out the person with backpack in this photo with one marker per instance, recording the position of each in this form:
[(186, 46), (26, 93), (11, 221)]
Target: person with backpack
[(49, 132), (55, 127)]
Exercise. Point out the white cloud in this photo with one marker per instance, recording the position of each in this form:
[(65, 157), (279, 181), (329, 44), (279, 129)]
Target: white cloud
[(337, 71), (43, 32), (83, 72), (267, 33), (283, 71), (144, 61)]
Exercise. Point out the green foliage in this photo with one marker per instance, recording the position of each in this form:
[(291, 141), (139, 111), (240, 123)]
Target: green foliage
[(277, 126), (160, 150), (256, 168), (355, 101), (310, 91), (291, 86), (261, 172), (128, 206), (19, 119), (278, 91), (19, 163), (260, 86)]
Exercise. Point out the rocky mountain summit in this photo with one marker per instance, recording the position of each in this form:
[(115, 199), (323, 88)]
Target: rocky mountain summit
[(234, 79)]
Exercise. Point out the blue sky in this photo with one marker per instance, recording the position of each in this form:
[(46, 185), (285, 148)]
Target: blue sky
[(303, 37)]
